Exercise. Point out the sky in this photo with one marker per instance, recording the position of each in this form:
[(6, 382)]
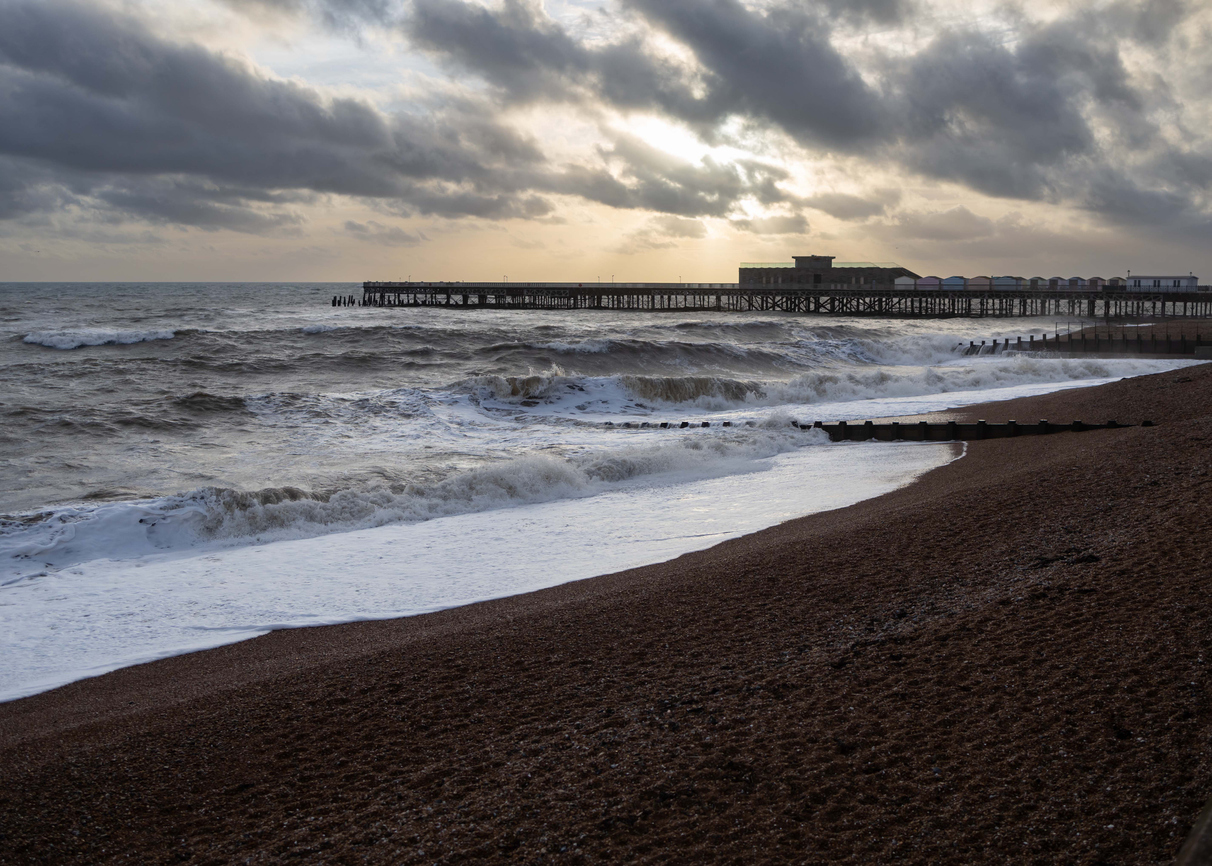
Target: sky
[(321, 140)]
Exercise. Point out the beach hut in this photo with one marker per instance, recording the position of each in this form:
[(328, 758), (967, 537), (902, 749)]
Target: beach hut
[(955, 283), (1171, 283), (980, 283), (1078, 284), (1117, 283), (905, 282), (1058, 284), (1096, 283), (930, 283), (1037, 284), (1007, 284)]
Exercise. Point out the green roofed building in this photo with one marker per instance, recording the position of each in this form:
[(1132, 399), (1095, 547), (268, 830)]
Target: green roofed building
[(821, 271)]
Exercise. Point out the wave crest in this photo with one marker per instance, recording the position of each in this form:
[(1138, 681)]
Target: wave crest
[(215, 516), (76, 338)]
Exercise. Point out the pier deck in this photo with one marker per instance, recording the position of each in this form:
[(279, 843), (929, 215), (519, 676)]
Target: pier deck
[(842, 300)]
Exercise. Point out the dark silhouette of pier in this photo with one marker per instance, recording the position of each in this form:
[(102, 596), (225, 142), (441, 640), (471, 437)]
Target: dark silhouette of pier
[(883, 300)]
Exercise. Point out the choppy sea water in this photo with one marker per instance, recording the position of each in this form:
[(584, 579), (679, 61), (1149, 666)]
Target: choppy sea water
[(162, 443)]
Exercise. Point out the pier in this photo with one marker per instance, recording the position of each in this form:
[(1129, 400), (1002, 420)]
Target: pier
[(821, 299)]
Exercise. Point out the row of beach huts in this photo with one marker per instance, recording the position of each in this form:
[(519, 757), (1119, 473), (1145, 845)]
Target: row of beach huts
[(1186, 283)]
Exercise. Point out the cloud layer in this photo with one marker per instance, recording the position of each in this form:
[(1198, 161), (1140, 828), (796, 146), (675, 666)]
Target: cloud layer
[(108, 121)]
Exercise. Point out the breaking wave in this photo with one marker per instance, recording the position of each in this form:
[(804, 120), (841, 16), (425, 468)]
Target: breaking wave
[(31, 544), (555, 391), (80, 337)]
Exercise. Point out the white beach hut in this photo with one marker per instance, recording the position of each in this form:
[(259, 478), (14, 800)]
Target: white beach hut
[(1170, 283)]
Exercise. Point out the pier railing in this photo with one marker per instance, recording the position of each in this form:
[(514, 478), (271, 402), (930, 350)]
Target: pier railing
[(846, 300)]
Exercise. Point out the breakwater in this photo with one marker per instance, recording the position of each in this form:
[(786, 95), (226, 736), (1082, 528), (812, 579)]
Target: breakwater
[(921, 431), (1144, 342)]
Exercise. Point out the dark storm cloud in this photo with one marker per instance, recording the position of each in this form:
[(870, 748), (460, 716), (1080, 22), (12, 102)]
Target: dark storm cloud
[(1161, 212), (93, 95), (171, 201), (862, 11), (525, 57), (1011, 120), (28, 190), (1034, 118), (515, 47), (341, 15), (955, 224), (844, 206), (778, 67), (102, 116), (450, 201), (144, 128)]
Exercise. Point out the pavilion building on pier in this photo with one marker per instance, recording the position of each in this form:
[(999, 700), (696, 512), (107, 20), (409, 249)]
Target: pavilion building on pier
[(821, 271)]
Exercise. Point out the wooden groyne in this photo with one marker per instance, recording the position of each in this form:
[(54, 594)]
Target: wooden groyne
[(1144, 343), (954, 431), (921, 431), (827, 299)]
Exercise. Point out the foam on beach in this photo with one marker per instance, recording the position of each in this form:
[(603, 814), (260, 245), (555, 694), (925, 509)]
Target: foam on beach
[(111, 612)]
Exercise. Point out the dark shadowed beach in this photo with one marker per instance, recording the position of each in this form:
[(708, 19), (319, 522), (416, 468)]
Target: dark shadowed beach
[(1004, 661)]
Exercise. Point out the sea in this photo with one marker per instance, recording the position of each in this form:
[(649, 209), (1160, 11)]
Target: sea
[(185, 465)]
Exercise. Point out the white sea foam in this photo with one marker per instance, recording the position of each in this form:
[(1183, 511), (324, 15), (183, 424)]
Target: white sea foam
[(108, 613), (76, 338), (215, 517), (593, 460)]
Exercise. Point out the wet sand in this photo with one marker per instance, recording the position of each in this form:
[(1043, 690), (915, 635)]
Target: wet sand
[(1006, 661)]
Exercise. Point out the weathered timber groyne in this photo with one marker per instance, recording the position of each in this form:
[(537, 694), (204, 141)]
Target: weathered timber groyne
[(1144, 343), (921, 431), (954, 431), (826, 299)]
